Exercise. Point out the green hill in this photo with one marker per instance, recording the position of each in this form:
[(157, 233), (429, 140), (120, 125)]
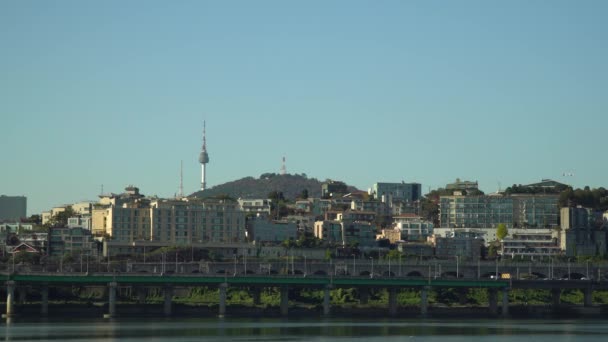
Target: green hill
[(290, 185)]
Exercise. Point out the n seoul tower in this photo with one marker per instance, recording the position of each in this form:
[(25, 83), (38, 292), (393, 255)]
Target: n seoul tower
[(203, 158)]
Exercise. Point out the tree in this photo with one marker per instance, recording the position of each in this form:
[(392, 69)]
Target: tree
[(61, 218), (501, 231)]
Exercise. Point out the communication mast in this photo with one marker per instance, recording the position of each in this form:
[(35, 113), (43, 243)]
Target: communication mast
[(203, 158), (283, 168)]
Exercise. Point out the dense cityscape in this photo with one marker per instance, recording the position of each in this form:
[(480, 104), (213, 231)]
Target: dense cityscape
[(539, 221)]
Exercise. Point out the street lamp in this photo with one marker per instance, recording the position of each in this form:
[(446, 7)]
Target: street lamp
[(372, 274), (305, 270), (234, 274), (389, 265), (457, 259), (568, 268)]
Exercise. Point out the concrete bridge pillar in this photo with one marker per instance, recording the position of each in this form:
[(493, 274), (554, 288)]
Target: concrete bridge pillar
[(588, 292), (111, 300), (168, 294), (392, 301), (327, 300), (284, 300), (363, 295), (505, 302), (10, 297), (424, 301), (493, 301), (256, 294), (555, 297), (44, 300), (223, 287)]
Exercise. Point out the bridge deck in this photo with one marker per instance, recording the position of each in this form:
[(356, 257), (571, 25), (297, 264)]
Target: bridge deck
[(241, 280)]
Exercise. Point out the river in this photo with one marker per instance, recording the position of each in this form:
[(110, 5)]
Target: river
[(327, 330)]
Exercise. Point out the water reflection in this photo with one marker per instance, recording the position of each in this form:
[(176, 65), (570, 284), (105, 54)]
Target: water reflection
[(299, 330)]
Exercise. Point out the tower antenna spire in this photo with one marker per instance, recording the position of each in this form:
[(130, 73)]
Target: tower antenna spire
[(283, 167), (181, 179), (203, 158)]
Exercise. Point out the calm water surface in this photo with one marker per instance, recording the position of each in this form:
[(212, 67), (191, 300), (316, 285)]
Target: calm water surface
[(179, 330)]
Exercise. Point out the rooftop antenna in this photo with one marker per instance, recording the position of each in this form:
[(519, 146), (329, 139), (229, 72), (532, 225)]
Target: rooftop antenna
[(101, 189), (181, 179), (499, 186), (283, 168)]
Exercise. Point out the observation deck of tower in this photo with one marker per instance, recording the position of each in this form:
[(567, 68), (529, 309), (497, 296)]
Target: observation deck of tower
[(203, 158)]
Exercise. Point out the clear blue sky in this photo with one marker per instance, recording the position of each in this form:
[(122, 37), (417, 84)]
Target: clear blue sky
[(115, 93)]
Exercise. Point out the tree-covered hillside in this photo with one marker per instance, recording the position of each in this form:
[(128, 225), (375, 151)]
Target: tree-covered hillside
[(292, 187)]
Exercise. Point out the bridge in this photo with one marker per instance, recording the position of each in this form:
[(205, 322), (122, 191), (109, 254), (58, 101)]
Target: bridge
[(362, 274)]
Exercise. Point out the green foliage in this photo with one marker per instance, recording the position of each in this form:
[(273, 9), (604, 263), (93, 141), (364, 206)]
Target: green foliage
[(600, 297), (408, 297), (524, 189), (596, 199), (393, 255), (343, 296), (529, 296), (572, 296), (501, 231), (61, 219)]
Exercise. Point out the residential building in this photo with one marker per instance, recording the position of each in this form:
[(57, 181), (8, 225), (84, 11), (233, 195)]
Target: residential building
[(535, 211), (578, 235), (465, 248), (46, 216), (305, 206), (80, 221), (387, 192), (333, 189), (12, 208), (531, 243), (361, 216), (15, 227), (256, 205), (546, 185), (575, 218), (475, 211), (180, 222), (82, 208), (391, 234), (358, 233), (305, 223), (132, 217), (329, 231), (63, 240), (413, 227), (265, 230), (460, 185), (518, 210)]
